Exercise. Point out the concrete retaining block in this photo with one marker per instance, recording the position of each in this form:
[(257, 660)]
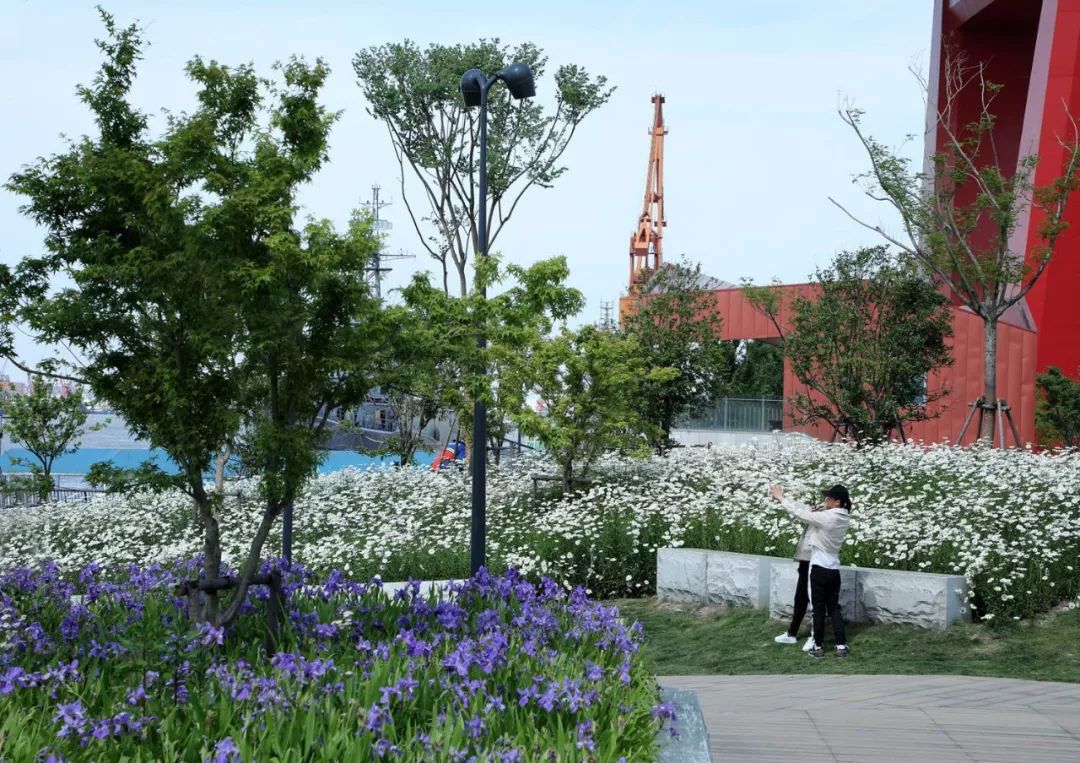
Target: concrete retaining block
[(926, 600), (739, 580), (681, 574), (923, 599), (785, 573)]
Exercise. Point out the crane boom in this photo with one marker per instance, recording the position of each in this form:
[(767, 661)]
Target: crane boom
[(647, 242)]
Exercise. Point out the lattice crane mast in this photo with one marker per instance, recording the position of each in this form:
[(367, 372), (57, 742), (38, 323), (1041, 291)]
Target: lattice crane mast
[(647, 242)]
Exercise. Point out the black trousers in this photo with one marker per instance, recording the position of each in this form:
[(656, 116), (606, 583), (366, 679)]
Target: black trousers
[(825, 595), (802, 598)]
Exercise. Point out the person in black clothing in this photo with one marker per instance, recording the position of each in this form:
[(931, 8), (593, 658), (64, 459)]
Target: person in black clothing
[(802, 595), (826, 529)]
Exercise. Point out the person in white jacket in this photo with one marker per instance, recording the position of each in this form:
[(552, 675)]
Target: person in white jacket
[(825, 531)]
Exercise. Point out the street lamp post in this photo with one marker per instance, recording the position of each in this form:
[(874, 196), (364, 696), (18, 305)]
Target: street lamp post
[(475, 85)]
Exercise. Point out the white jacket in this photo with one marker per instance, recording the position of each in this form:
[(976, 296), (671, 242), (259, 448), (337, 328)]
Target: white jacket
[(825, 529)]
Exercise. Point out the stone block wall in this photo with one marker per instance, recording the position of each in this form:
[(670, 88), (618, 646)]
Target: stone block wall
[(922, 599)]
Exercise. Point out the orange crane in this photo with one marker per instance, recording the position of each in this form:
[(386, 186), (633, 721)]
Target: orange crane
[(647, 242)]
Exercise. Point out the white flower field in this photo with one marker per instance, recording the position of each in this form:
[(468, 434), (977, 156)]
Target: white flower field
[(1008, 520)]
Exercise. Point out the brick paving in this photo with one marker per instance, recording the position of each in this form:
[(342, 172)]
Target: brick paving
[(854, 718)]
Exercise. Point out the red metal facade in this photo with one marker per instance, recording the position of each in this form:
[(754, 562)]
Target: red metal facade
[(1032, 48)]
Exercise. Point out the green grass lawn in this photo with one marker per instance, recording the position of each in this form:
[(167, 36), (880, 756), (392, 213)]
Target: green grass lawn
[(682, 640)]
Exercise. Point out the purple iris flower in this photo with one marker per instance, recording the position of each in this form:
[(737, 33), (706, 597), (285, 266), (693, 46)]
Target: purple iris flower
[(525, 694), (225, 751), (209, 635), (10, 680), (664, 710), (137, 695), (584, 736), (71, 717), (476, 726)]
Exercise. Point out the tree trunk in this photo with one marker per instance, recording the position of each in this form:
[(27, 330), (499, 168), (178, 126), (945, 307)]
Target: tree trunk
[(211, 545), (990, 342), (251, 564), (219, 470), (461, 279), (405, 458)]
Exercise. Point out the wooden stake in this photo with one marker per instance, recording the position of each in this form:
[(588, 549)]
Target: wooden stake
[(976, 406), (1012, 425)]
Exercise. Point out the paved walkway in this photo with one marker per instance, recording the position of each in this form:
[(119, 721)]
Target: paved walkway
[(922, 719)]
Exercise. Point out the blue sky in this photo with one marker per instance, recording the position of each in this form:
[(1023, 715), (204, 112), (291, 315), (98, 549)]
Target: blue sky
[(754, 146)]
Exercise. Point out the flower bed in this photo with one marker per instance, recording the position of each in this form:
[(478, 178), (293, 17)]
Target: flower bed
[(1007, 520), (496, 668)]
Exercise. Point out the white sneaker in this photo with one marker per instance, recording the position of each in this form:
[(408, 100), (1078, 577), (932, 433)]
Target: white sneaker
[(784, 638), (809, 644)]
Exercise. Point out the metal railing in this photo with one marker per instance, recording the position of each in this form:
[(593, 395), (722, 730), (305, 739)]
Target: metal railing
[(19, 497), (737, 414)]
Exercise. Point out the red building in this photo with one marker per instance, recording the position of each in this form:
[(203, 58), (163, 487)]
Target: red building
[(1032, 48), (964, 379)]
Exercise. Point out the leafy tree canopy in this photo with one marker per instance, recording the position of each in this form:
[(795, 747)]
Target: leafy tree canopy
[(675, 325), (205, 313), (864, 345), (415, 93), (1057, 417)]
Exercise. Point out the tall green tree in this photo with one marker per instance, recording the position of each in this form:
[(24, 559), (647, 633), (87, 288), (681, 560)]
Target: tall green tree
[(588, 381), (864, 345), (313, 340), (48, 426), (201, 308), (415, 93), (1057, 417), (959, 217), (675, 325), (515, 321), (147, 249)]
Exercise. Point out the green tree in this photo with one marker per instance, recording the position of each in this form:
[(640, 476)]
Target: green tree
[(758, 370), (415, 381), (201, 310), (1057, 417), (675, 325), (415, 93), (863, 346), (147, 249), (589, 381), (515, 322), (413, 413), (313, 339), (48, 427), (959, 218)]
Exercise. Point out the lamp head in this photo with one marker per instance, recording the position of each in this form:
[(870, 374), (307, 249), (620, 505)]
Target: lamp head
[(472, 83), (519, 80)]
